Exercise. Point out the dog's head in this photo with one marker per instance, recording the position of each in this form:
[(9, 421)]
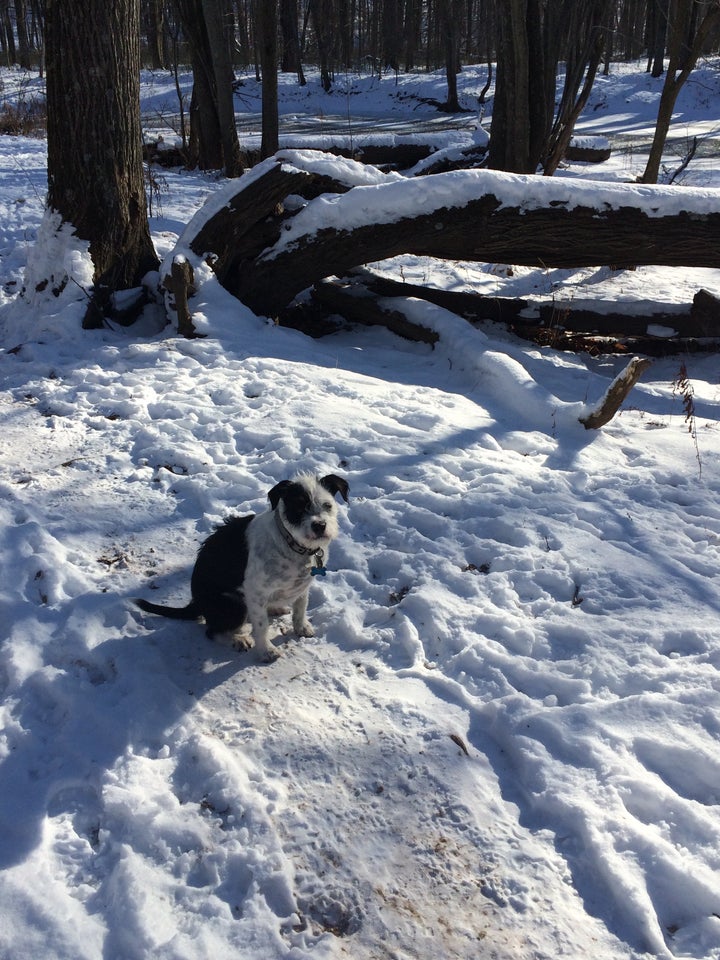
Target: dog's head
[(307, 507)]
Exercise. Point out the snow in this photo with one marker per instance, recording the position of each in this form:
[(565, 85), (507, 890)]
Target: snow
[(389, 202), (503, 740)]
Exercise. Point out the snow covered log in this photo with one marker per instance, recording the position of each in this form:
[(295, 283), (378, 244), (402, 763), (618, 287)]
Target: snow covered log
[(276, 236), (588, 149), (241, 225)]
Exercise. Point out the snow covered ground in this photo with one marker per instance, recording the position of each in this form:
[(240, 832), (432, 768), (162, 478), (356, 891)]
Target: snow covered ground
[(502, 742)]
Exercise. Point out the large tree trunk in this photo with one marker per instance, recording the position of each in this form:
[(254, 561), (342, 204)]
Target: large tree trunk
[(219, 23), (291, 60), (266, 255), (529, 37), (214, 142), (95, 171), (510, 128)]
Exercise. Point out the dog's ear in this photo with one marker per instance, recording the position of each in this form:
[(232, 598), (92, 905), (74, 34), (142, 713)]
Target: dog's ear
[(336, 485), (277, 492)]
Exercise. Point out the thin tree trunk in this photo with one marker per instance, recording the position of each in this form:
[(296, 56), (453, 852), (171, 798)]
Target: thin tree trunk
[(680, 52), (266, 26), (584, 58), (22, 34)]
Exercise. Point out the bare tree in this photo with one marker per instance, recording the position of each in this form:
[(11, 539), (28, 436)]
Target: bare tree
[(95, 171), (686, 43), (452, 20), (657, 16), (588, 30), (291, 60), (267, 26), (213, 135), (529, 35)]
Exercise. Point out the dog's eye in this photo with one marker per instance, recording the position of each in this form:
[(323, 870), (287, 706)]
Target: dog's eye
[(327, 507)]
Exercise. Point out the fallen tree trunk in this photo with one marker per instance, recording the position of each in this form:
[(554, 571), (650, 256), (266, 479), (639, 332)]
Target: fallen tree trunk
[(253, 217), (484, 216), (396, 155), (471, 306), (300, 217), (357, 304), (701, 319), (365, 298)]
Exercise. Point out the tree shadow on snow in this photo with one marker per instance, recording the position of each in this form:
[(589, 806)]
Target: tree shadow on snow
[(88, 703)]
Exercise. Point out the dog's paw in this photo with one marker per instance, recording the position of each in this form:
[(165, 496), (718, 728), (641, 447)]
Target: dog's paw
[(268, 654), (305, 629)]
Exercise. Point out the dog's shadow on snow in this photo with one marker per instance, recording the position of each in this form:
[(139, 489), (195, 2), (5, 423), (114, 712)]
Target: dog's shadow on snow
[(81, 706)]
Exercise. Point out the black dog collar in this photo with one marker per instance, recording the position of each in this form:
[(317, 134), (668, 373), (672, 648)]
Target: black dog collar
[(290, 540)]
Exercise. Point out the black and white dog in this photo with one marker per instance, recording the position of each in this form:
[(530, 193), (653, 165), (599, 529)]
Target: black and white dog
[(254, 564)]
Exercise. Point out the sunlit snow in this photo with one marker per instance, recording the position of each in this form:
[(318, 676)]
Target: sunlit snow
[(504, 739)]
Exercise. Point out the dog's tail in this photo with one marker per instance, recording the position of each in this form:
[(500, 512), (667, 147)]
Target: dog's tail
[(190, 612)]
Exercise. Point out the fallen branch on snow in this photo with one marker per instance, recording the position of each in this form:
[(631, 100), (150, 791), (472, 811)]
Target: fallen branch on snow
[(615, 394)]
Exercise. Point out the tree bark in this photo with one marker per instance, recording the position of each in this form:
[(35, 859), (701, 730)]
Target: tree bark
[(556, 233), (266, 25), (530, 33), (218, 25), (205, 147), (214, 142), (510, 127), (95, 171), (291, 60)]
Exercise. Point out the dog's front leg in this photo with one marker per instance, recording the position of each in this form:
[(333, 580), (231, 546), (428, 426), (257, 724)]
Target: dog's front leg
[(301, 624), (260, 622)]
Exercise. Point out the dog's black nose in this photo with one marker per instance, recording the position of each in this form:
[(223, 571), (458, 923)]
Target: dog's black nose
[(318, 527)]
